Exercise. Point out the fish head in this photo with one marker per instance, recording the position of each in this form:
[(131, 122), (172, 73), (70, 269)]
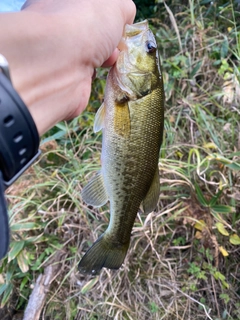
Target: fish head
[(138, 60), (138, 49)]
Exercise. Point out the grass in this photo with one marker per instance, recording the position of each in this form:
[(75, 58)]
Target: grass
[(184, 257)]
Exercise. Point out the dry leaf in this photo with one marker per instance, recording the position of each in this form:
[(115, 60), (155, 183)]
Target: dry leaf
[(22, 261), (200, 225), (210, 145), (198, 235), (223, 251)]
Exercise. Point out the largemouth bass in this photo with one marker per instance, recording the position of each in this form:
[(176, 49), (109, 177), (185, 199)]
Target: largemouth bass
[(131, 119)]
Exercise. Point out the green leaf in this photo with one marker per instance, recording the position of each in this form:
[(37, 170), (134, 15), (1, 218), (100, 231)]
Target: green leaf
[(16, 247), (196, 68), (88, 286), (62, 126), (233, 166), (222, 208), (55, 136), (214, 199), (205, 1), (225, 297), (200, 196), (38, 261), (235, 239), (227, 162), (224, 48), (25, 226), (225, 284), (62, 130), (3, 287), (153, 307), (23, 283), (219, 276), (6, 294), (37, 239), (9, 275), (23, 261), (221, 229), (237, 153)]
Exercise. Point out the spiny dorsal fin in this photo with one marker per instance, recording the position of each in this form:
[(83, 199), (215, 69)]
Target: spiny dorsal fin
[(94, 193)]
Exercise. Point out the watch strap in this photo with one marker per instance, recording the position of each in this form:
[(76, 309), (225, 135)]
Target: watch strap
[(19, 139), (4, 228), (19, 143)]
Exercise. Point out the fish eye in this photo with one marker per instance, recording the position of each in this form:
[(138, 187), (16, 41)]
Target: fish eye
[(151, 47)]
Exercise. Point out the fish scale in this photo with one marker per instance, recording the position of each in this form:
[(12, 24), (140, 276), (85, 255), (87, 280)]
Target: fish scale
[(131, 119)]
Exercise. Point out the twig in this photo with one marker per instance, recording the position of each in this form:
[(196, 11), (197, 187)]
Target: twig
[(41, 289), (191, 298)]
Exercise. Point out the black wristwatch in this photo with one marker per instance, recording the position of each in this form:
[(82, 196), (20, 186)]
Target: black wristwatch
[(19, 144)]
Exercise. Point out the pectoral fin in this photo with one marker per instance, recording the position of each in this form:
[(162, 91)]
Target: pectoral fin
[(94, 193), (99, 119), (150, 201)]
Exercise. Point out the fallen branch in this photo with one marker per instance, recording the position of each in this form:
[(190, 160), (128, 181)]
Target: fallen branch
[(41, 288)]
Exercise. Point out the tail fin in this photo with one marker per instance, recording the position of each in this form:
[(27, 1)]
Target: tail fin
[(103, 253)]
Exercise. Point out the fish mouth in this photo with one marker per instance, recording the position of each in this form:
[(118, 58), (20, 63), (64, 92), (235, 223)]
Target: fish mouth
[(134, 29), (131, 31)]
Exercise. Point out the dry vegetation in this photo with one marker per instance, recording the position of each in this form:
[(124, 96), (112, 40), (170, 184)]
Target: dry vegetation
[(184, 258)]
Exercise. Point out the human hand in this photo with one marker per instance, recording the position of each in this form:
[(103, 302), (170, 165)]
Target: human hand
[(104, 20), (59, 45)]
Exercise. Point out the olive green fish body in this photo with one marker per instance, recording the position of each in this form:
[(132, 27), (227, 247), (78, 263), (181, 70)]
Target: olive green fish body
[(130, 157), (131, 119)]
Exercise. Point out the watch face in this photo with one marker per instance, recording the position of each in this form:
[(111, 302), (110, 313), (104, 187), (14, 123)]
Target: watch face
[(4, 68)]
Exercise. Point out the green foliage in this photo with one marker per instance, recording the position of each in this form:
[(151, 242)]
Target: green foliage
[(196, 271), (153, 307), (145, 9)]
